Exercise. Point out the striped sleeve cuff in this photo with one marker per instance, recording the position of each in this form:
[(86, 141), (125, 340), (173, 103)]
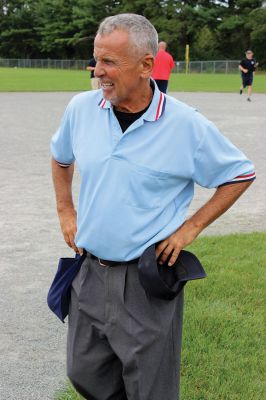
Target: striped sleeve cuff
[(63, 165), (249, 176)]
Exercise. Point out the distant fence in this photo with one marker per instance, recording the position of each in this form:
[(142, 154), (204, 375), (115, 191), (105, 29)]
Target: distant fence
[(43, 63), (217, 66)]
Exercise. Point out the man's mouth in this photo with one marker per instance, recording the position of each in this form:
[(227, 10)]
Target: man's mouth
[(106, 85)]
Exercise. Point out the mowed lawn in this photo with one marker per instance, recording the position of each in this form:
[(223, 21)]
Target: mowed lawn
[(47, 80), (223, 353)]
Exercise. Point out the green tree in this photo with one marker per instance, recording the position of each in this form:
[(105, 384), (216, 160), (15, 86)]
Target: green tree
[(55, 28), (233, 32), (86, 16), (257, 26), (205, 46), (18, 37), (66, 28)]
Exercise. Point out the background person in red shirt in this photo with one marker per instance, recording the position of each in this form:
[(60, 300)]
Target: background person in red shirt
[(163, 65)]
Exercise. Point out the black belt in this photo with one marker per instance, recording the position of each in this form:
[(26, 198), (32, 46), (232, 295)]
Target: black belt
[(108, 263)]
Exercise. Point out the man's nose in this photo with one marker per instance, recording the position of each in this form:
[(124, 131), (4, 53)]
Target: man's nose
[(99, 71)]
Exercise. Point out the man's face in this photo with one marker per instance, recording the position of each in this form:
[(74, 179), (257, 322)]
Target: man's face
[(118, 67), (249, 55)]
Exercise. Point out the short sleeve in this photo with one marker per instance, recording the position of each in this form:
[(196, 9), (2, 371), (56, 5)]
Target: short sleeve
[(62, 142), (217, 161)]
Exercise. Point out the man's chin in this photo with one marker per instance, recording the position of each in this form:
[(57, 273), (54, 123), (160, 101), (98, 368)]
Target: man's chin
[(108, 96)]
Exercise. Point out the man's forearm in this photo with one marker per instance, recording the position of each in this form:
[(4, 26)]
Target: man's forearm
[(221, 201), (62, 178)]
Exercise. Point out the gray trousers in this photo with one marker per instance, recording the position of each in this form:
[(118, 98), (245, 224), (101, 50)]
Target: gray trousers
[(122, 344)]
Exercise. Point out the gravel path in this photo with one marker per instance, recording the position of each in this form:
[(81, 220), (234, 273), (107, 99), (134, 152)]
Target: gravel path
[(32, 341)]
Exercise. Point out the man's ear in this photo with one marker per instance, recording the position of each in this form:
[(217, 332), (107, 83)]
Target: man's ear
[(147, 64)]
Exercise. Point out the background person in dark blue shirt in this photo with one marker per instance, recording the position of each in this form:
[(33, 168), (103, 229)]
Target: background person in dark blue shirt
[(95, 84), (247, 67)]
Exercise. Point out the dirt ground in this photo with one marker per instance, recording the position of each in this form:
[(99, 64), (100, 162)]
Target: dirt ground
[(32, 340)]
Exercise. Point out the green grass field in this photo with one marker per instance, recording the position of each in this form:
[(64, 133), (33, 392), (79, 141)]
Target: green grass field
[(223, 353), (46, 80)]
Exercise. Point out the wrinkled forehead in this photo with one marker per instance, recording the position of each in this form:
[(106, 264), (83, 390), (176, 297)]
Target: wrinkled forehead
[(118, 37), (115, 42)]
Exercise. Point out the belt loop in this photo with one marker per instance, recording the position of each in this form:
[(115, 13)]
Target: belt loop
[(103, 265)]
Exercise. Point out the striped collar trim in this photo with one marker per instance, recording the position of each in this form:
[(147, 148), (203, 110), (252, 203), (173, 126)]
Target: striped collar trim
[(154, 112), (157, 106), (104, 103), (160, 106)]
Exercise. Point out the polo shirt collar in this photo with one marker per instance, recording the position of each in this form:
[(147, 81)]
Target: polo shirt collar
[(155, 110), (104, 103), (157, 106)]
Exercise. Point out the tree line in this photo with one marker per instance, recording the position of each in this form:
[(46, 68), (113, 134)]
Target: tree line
[(65, 29)]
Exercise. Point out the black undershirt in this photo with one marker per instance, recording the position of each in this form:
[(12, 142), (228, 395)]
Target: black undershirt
[(126, 119)]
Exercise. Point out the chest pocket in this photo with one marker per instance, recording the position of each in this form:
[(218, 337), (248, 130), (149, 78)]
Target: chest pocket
[(142, 187)]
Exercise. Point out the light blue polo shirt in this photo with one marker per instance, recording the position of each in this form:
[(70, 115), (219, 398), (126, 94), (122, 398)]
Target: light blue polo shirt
[(136, 186)]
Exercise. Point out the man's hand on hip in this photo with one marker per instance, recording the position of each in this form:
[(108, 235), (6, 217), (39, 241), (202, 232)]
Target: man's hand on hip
[(176, 242)]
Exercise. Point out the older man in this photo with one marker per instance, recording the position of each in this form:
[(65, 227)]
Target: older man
[(139, 153)]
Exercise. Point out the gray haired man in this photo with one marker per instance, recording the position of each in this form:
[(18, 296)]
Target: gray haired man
[(139, 153)]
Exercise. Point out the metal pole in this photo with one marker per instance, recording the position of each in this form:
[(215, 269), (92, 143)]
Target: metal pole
[(187, 57)]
